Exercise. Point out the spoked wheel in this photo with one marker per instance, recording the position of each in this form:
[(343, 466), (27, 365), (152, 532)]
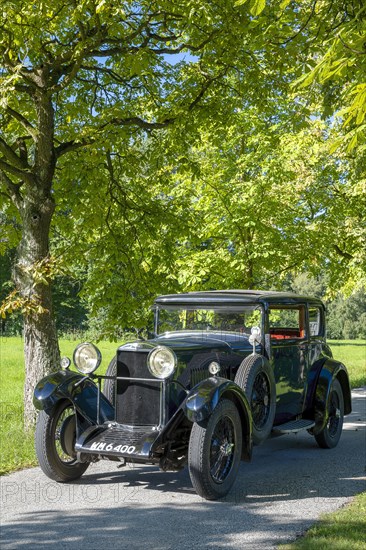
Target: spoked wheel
[(260, 400), (222, 449), (255, 377), (330, 435), (215, 451), (55, 443)]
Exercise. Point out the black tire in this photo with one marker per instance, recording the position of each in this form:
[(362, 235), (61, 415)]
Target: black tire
[(215, 450), (255, 377), (330, 435), (55, 443), (109, 388)]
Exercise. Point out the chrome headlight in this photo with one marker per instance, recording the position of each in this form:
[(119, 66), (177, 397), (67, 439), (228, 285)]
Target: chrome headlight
[(161, 362), (87, 358), (65, 363)]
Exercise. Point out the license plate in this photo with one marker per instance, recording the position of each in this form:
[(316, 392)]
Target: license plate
[(112, 447)]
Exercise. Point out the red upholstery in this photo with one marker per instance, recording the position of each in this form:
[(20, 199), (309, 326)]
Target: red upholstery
[(279, 333)]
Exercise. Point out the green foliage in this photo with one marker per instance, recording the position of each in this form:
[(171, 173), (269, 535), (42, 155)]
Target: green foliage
[(91, 95), (180, 156), (256, 6), (268, 199), (347, 317), (69, 312), (340, 56)]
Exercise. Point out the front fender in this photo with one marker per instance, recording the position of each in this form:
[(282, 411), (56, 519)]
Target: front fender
[(80, 390), (203, 398), (330, 371)]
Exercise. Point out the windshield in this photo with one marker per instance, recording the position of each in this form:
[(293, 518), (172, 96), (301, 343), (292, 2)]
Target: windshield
[(233, 320)]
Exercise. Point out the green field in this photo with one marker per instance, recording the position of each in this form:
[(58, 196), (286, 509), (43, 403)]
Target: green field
[(351, 353), (17, 449)]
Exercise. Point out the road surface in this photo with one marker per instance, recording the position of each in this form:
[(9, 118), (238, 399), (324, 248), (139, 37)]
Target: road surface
[(276, 497)]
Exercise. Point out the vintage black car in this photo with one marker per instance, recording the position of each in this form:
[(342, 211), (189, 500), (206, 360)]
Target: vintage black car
[(222, 371)]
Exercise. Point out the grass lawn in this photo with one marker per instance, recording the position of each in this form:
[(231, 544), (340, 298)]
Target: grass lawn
[(351, 353), (341, 530)]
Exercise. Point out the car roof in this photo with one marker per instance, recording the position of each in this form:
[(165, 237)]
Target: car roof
[(235, 297)]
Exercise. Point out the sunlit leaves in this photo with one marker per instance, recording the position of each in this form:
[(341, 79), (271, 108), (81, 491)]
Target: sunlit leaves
[(336, 49), (256, 6)]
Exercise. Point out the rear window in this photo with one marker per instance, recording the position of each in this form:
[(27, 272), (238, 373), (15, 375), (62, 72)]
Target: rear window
[(287, 323)]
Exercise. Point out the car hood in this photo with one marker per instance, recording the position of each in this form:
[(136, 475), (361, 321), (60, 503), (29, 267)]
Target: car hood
[(194, 341)]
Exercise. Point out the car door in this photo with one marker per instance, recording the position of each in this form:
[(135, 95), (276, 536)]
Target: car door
[(289, 342)]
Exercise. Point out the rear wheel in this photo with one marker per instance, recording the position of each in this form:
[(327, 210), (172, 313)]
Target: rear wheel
[(330, 435), (215, 451), (55, 443)]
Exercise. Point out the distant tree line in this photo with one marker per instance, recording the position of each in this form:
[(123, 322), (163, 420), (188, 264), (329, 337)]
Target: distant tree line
[(70, 311)]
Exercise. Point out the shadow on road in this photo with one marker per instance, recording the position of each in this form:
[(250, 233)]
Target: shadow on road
[(276, 497)]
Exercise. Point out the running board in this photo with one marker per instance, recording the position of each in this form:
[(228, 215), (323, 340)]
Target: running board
[(294, 426)]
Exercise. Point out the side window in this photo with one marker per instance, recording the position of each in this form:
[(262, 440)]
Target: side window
[(287, 323), (316, 325)]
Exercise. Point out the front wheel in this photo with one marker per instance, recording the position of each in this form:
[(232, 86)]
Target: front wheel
[(215, 450), (55, 443), (330, 435)]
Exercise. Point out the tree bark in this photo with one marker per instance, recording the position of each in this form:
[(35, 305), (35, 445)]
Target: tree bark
[(31, 274), (41, 354), (41, 350)]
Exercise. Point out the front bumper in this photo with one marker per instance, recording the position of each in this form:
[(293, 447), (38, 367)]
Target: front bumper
[(112, 440)]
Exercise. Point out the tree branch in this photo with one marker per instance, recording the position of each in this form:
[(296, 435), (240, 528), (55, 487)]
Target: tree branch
[(137, 121), (299, 31), (24, 122), (204, 89), (356, 52), (21, 174), (117, 48), (71, 145), (345, 255), (23, 150), (14, 190), (11, 156)]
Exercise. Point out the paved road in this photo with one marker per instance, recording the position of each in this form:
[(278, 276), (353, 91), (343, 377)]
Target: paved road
[(276, 498)]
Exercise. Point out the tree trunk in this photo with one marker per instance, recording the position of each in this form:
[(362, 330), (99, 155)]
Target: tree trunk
[(41, 350), (31, 273), (41, 354)]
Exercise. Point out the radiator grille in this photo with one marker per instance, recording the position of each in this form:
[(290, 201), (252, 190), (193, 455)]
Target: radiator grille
[(198, 375), (113, 435), (137, 403)]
